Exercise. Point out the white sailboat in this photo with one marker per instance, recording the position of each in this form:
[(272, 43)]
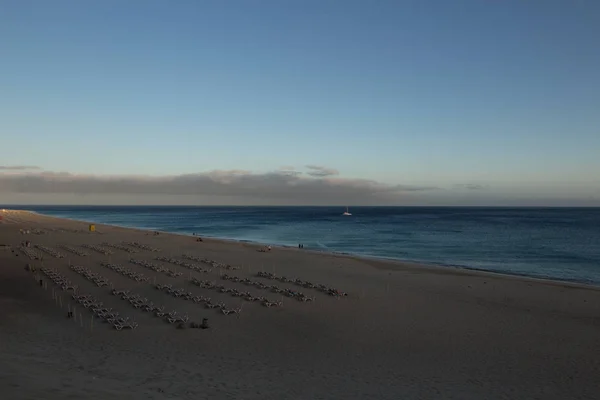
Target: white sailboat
[(346, 212)]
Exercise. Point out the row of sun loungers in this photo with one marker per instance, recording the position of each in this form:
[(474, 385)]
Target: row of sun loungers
[(50, 251), (173, 318), (75, 251), (29, 252), (181, 263), (185, 295), (59, 279), (106, 314), (212, 263), (69, 230), (148, 306), (97, 279), (325, 289), (142, 246), (155, 267), (273, 288), (96, 306), (192, 257), (236, 293), (120, 247), (136, 276), (98, 249)]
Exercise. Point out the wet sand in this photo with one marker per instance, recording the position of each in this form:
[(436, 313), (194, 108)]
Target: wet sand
[(403, 331)]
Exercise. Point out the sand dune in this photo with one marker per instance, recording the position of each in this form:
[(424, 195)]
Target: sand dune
[(403, 331)]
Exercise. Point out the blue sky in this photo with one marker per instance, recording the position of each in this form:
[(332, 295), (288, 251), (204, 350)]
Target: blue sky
[(502, 96)]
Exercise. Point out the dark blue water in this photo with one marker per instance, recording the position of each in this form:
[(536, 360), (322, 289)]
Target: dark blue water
[(556, 243)]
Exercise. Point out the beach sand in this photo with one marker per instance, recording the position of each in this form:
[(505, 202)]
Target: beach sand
[(403, 331)]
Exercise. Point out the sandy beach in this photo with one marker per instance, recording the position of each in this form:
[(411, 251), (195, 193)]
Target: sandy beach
[(337, 327)]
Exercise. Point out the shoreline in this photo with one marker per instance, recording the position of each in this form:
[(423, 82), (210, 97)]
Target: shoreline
[(400, 263)]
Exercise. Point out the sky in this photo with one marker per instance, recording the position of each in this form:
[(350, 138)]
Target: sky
[(422, 102)]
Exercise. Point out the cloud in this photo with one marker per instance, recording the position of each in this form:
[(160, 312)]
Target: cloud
[(470, 186), (245, 186), (413, 188), (288, 170), (319, 171), (18, 167)]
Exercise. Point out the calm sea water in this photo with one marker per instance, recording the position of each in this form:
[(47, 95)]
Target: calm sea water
[(557, 243)]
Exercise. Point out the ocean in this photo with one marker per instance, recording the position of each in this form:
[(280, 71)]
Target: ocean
[(553, 243)]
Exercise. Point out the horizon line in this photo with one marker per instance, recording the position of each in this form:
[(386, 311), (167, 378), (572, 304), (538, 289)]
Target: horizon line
[(12, 206)]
